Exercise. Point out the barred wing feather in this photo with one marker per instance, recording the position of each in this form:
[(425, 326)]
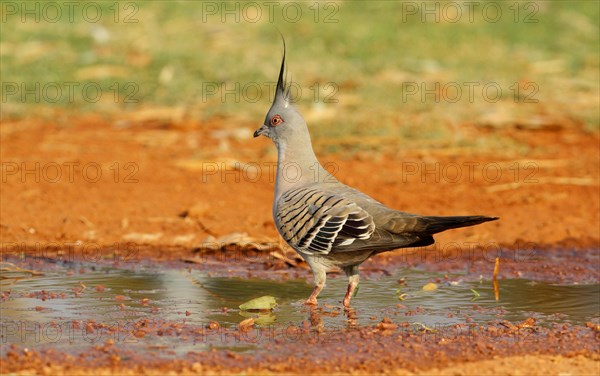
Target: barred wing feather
[(314, 221)]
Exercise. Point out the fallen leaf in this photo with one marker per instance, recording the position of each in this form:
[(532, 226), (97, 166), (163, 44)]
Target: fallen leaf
[(528, 323), (246, 324), (386, 324), (263, 303), (241, 240)]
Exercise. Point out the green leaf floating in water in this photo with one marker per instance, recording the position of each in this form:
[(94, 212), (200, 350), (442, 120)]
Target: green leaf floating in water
[(264, 303)]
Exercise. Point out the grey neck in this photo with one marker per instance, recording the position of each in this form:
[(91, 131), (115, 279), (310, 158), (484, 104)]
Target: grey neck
[(297, 166)]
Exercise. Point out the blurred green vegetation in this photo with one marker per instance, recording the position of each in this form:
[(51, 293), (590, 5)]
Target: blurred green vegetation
[(170, 53)]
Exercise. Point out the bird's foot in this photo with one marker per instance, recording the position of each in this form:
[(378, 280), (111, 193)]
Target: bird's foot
[(311, 302)]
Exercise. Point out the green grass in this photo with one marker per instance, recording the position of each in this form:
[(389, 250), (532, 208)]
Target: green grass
[(175, 49)]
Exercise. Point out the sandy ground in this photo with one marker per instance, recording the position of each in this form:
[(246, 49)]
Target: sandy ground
[(94, 188), (95, 181)]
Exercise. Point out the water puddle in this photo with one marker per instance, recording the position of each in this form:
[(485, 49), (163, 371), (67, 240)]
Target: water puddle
[(56, 309)]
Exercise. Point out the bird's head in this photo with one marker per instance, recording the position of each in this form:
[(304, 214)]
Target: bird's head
[(282, 120)]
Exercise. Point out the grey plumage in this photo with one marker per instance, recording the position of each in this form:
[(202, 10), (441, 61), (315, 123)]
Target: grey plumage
[(328, 223)]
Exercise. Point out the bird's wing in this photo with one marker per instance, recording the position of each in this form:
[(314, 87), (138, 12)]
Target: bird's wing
[(315, 221)]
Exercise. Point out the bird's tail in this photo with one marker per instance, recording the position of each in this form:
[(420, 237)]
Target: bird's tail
[(434, 224)]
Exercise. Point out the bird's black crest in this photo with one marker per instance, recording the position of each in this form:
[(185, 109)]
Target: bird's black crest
[(283, 88)]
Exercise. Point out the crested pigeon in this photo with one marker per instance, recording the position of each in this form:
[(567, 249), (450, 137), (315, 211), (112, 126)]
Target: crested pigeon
[(325, 221)]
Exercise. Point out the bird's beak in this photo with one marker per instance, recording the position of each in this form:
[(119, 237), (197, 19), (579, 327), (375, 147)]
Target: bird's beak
[(261, 131)]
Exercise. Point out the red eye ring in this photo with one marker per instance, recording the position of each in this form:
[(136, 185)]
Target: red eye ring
[(276, 120)]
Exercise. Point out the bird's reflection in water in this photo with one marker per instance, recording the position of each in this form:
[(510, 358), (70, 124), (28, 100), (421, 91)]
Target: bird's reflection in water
[(315, 318), (351, 322), (316, 314)]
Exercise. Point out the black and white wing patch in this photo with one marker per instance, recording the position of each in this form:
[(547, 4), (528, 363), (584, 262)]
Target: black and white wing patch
[(317, 222)]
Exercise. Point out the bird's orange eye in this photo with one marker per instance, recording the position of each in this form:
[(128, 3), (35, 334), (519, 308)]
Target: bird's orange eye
[(276, 120)]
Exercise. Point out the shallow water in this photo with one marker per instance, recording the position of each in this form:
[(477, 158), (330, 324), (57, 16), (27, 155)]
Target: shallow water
[(172, 293)]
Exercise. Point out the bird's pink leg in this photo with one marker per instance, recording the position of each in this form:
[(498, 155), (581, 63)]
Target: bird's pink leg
[(352, 284), (312, 299)]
